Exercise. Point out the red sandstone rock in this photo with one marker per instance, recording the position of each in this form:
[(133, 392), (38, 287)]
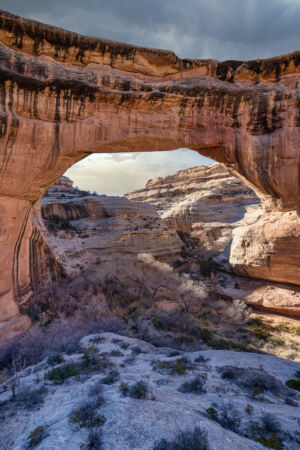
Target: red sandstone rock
[(64, 96)]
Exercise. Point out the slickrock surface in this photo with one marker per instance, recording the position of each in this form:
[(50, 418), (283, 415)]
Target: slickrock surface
[(86, 231), (138, 423), (205, 201), (64, 96)]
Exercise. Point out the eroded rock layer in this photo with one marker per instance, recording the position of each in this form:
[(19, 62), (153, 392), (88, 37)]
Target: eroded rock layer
[(205, 201), (64, 96), (90, 232)]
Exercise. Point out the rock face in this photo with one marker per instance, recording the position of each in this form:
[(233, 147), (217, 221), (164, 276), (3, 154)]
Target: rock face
[(86, 231), (62, 184), (138, 423), (205, 201), (64, 96)]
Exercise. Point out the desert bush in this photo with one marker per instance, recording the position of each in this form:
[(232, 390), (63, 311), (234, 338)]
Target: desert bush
[(175, 367), (96, 391), (227, 416), (124, 389), (201, 359), (111, 378), (62, 335), (228, 373), (31, 398), (249, 409), (55, 359), (238, 311), (86, 416), (293, 384), (194, 386), (37, 435), (195, 439), (116, 353), (60, 374), (205, 334), (291, 402), (139, 390), (212, 414), (94, 440), (270, 423), (266, 431), (255, 380)]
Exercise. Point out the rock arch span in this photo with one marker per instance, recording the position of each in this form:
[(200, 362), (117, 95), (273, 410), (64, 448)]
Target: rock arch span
[(63, 96)]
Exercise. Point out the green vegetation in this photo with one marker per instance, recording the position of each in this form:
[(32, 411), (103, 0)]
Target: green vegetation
[(212, 413), (59, 374), (177, 367), (139, 390), (293, 384), (86, 416), (260, 433), (37, 435)]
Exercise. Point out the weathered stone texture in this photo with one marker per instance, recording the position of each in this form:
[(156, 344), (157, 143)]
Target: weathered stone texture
[(64, 96)]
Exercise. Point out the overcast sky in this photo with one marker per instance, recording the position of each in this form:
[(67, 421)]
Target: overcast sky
[(221, 29)]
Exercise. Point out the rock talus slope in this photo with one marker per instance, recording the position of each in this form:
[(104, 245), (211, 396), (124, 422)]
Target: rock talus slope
[(64, 96)]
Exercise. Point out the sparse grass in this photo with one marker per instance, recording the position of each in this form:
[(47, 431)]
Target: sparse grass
[(195, 439)]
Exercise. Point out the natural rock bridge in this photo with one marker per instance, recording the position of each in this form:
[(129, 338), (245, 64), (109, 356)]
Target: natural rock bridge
[(64, 96)]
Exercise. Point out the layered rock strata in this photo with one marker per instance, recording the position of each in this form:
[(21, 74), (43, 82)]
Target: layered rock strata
[(64, 96), (89, 231), (205, 201)]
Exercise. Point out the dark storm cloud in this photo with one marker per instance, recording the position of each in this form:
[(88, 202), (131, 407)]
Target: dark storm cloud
[(223, 29)]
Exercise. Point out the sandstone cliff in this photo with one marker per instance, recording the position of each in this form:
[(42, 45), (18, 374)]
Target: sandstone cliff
[(64, 96), (205, 201), (87, 231)]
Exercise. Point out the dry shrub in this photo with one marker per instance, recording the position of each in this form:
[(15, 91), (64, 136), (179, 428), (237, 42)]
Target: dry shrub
[(62, 335)]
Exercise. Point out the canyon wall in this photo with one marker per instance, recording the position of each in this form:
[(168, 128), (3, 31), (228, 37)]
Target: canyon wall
[(64, 96), (205, 201)]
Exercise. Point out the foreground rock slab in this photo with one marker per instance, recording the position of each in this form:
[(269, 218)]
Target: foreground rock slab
[(133, 423)]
